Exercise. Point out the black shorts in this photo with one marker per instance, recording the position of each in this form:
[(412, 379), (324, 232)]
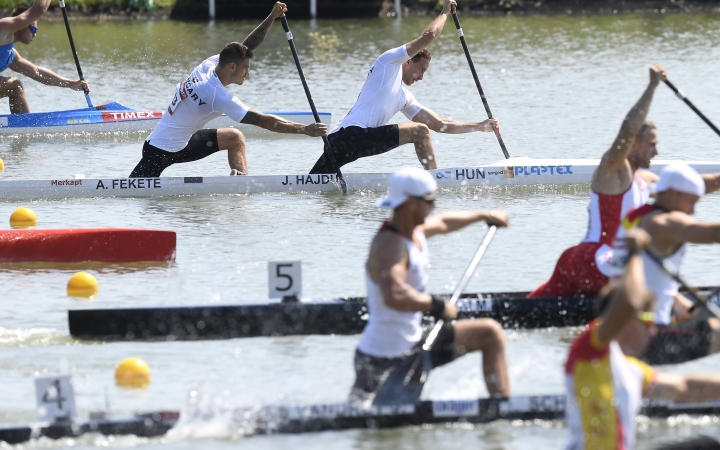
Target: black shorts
[(679, 343), (351, 143), (154, 160), (371, 370)]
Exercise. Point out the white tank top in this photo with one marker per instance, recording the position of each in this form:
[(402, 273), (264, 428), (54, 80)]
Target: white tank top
[(663, 285), (390, 333)]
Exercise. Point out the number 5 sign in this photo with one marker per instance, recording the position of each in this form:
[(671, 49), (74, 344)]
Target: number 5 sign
[(284, 279)]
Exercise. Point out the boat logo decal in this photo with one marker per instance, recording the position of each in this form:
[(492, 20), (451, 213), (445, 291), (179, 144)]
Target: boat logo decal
[(309, 179), (541, 403), (441, 175), (334, 410), (455, 408), (72, 121), (506, 172), (118, 116), (472, 173), (475, 305), (66, 183), (543, 170), (130, 183)]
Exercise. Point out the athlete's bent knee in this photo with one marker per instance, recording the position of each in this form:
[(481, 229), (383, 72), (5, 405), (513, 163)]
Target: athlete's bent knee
[(495, 336), (13, 86), (230, 138), (421, 132)]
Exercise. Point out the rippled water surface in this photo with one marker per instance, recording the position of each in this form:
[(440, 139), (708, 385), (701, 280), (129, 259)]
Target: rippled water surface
[(560, 86)]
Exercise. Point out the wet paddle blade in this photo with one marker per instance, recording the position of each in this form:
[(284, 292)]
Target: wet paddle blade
[(405, 383)]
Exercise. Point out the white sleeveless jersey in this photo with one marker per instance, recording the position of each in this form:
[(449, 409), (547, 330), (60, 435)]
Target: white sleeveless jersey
[(663, 285), (390, 333)]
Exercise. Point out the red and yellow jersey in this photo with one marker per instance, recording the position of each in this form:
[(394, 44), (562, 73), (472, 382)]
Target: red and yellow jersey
[(604, 393)]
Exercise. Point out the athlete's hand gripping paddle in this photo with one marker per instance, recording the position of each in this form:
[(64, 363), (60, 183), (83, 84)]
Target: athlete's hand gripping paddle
[(708, 304), (72, 47), (682, 97), (328, 152), (405, 382), (461, 35)]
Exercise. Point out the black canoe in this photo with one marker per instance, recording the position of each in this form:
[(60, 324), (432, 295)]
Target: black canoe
[(338, 316)]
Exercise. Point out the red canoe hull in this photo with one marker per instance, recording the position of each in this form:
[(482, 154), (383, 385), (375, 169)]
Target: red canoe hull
[(90, 244)]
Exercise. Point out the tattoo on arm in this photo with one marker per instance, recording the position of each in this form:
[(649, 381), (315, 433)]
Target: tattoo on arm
[(257, 36), (252, 117)]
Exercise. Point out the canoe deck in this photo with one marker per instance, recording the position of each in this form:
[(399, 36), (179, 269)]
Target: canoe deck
[(511, 172)]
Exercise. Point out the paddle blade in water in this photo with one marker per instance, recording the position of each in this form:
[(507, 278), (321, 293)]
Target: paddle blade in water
[(343, 184), (406, 381)]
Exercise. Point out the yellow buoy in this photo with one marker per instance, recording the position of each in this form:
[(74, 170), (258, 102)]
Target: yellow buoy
[(2, 165), (82, 284), (132, 373), (23, 218)]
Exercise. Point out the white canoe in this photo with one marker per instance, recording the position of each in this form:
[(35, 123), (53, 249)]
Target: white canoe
[(508, 172), (115, 117)]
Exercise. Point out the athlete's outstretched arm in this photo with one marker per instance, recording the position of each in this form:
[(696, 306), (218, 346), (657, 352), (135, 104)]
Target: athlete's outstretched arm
[(46, 76), (685, 388), (712, 182), (280, 125), (679, 227), (9, 25), (450, 221), (431, 32), (614, 158), (257, 36), (450, 126)]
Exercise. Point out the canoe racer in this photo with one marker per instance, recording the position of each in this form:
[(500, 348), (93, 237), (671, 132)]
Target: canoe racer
[(364, 131), (179, 137), (605, 382), (397, 275), (669, 222), (22, 27), (617, 187)]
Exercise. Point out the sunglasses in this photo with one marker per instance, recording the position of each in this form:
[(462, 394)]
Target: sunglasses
[(429, 199), (648, 318), (33, 29)]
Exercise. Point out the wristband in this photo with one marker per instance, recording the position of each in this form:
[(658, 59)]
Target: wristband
[(437, 307)]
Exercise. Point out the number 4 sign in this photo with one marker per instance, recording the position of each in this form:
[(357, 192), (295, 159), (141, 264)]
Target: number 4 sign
[(284, 279), (55, 398)]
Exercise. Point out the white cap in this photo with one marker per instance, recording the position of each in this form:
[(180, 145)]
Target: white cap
[(405, 183), (681, 178)]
